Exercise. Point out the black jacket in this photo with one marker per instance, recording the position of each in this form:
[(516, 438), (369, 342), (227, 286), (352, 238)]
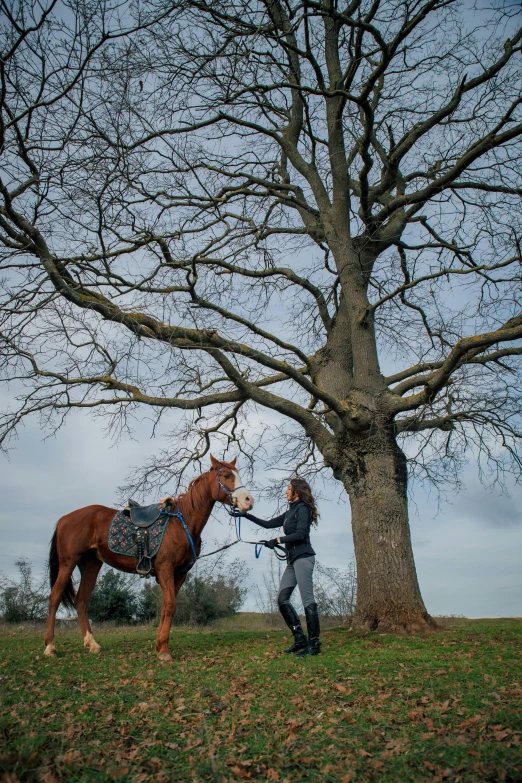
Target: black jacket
[(296, 522)]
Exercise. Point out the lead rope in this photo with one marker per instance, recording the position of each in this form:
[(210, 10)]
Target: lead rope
[(258, 544)]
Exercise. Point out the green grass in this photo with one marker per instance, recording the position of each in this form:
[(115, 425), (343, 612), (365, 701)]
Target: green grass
[(230, 708)]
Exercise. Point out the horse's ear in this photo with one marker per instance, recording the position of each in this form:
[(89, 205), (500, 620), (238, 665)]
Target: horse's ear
[(213, 461), (233, 462)]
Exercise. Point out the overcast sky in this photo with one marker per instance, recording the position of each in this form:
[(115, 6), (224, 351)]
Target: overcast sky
[(468, 554)]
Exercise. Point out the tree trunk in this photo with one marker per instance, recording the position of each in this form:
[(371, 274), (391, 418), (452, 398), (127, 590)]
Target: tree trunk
[(388, 594)]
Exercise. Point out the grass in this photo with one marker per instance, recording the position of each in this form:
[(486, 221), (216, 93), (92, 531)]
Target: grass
[(230, 708)]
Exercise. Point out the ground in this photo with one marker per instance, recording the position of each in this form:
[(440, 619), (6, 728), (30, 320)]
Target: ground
[(231, 708)]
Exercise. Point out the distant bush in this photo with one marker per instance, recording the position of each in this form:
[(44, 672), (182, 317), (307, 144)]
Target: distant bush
[(114, 599), (150, 602), (215, 590), (201, 600), (23, 599)]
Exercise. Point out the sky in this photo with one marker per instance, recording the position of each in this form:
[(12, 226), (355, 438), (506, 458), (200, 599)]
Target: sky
[(468, 552)]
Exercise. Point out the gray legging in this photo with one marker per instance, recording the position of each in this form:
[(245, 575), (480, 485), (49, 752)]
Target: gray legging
[(299, 573)]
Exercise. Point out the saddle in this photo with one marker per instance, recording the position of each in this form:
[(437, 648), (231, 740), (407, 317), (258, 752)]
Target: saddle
[(142, 517)]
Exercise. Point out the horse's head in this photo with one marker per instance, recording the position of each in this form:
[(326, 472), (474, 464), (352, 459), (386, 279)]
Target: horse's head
[(228, 487)]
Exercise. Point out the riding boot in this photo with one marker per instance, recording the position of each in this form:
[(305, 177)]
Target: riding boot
[(291, 618), (314, 631)]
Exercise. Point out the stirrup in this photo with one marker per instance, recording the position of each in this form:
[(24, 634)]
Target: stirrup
[(144, 567)]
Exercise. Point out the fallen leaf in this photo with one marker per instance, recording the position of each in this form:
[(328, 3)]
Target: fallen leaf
[(72, 757), (397, 746), (49, 777)]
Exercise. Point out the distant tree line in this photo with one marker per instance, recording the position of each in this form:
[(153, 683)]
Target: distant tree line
[(212, 591), (207, 595)]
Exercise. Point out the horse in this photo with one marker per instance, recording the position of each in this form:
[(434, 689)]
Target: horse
[(81, 539)]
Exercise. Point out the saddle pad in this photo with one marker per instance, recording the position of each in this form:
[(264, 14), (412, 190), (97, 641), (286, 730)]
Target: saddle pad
[(122, 535)]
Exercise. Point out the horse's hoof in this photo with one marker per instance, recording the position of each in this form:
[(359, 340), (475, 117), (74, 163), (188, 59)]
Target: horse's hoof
[(50, 651), (88, 641), (164, 657)]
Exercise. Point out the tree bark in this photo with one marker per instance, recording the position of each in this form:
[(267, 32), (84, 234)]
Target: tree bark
[(388, 594)]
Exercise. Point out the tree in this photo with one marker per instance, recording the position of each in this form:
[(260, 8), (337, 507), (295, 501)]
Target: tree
[(114, 599), (151, 601), (309, 207), (23, 599), (203, 600), (213, 590), (336, 591)]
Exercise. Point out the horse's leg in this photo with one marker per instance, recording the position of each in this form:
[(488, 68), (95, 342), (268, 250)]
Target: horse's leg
[(179, 581), (165, 578), (89, 568), (164, 618), (62, 580)]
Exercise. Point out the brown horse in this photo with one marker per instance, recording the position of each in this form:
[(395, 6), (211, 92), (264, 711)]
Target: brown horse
[(81, 539)]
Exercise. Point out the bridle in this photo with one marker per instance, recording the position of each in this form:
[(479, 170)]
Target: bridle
[(228, 492), (237, 520)]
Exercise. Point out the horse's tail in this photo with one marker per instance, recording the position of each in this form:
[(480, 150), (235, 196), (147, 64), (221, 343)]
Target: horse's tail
[(69, 593)]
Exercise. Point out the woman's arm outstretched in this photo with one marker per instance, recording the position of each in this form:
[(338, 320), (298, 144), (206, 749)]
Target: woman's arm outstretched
[(267, 524)]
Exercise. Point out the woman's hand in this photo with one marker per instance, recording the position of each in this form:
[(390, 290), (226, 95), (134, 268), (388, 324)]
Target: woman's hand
[(272, 543)]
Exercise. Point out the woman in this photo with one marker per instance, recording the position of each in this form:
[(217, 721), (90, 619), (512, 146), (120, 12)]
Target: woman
[(296, 522)]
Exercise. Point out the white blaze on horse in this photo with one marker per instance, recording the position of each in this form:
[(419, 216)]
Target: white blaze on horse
[(81, 539)]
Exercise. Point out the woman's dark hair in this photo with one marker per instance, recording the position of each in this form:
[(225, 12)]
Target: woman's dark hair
[(301, 488)]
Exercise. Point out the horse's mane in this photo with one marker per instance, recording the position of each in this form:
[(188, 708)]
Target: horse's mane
[(196, 491)]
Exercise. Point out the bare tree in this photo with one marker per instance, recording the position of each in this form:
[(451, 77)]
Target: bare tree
[(336, 591), (25, 598), (266, 601), (309, 207)]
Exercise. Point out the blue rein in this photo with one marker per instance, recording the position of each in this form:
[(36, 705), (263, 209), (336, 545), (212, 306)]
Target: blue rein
[(258, 548), (179, 515)]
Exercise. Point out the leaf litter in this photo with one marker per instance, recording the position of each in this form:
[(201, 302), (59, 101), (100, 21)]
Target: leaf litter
[(230, 708)]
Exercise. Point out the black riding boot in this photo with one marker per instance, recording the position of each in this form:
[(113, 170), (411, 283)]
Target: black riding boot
[(291, 618), (314, 631)]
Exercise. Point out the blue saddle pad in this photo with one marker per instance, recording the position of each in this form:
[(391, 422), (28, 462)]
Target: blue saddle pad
[(122, 535)]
